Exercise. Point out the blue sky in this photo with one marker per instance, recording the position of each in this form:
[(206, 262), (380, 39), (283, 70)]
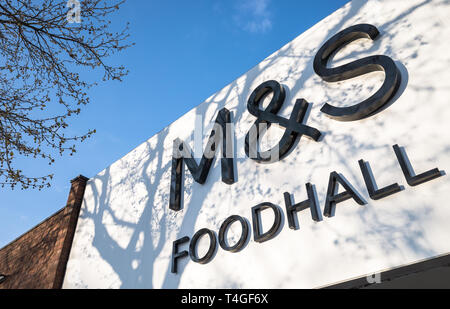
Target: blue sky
[(185, 51)]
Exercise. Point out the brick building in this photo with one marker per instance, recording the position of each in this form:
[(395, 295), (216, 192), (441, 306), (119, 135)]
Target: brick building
[(38, 258)]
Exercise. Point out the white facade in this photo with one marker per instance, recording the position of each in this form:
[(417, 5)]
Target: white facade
[(125, 231)]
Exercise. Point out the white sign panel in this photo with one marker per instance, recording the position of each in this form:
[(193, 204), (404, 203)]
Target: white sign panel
[(128, 222)]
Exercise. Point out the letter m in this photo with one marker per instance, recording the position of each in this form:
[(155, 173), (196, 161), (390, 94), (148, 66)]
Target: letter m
[(222, 131)]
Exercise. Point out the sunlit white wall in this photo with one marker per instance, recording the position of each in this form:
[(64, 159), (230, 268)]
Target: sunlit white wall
[(125, 232)]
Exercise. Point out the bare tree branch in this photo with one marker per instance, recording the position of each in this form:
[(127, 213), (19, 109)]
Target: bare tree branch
[(40, 57)]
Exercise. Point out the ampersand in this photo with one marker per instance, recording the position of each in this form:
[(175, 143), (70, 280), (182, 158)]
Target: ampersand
[(294, 126)]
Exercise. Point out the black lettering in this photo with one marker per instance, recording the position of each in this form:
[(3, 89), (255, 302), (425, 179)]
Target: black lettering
[(178, 255), (294, 126), (356, 68), (256, 218), (182, 153), (411, 178), (334, 198), (223, 231), (311, 203), (212, 246), (371, 184)]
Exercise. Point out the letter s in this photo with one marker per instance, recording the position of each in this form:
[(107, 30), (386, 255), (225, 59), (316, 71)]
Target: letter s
[(356, 68)]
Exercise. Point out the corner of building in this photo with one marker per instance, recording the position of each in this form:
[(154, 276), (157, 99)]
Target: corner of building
[(38, 258)]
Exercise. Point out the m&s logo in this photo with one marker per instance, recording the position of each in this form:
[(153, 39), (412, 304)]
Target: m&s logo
[(295, 127)]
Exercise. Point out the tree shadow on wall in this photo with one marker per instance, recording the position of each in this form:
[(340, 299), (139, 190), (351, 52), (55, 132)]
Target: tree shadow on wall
[(134, 264)]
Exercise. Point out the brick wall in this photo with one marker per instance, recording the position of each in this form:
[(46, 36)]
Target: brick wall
[(37, 259)]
